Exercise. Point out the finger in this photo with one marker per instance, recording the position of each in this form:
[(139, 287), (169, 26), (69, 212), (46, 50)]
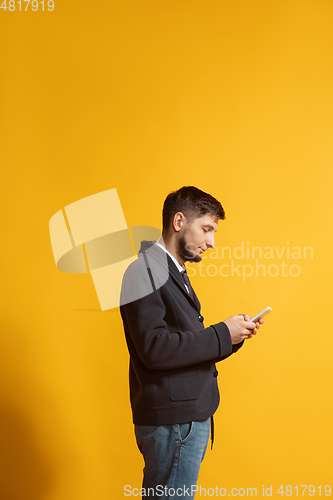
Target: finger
[(261, 321), (250, 325), (246, 317)]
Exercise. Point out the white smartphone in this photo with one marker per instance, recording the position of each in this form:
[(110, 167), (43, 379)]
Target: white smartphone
[(261, 314)]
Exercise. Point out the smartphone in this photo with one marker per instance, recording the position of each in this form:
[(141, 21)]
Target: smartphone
[(261, 314)]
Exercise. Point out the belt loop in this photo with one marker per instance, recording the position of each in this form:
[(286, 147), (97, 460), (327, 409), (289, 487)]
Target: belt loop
[(212, 431)]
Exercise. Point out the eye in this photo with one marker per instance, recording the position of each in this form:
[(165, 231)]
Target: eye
[(206, 230)]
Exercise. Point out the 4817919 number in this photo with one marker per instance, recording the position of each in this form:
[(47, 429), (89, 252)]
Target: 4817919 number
[(24, 5)]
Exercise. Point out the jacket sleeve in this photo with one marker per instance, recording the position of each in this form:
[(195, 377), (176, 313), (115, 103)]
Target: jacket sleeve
[(158, 348), (235, 348)]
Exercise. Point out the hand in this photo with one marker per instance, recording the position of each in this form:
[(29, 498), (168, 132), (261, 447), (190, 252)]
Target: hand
[(259, 322), (241, 328)]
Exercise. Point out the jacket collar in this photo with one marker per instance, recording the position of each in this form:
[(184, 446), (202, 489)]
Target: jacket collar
[(159, 254)]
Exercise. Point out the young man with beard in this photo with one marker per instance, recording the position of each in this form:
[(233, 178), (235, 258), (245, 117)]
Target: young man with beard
[(173, 375)]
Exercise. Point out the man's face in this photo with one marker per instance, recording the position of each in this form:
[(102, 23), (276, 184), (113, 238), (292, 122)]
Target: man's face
[(197, 237)]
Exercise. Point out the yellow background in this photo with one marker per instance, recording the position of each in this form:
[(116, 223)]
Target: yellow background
[(146, 96)]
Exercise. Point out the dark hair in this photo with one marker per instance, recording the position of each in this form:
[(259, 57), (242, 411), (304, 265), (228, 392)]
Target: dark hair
[(192, 202)]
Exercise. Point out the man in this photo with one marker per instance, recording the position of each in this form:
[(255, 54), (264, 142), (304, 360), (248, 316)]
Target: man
[(173, 376)]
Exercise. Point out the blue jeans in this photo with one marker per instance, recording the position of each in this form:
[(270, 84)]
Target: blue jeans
[(173, 455)]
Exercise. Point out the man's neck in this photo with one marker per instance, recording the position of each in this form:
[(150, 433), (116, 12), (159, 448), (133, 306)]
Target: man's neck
[(171, 247)]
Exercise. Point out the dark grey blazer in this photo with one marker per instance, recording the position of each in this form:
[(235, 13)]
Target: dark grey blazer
[(172, 374)]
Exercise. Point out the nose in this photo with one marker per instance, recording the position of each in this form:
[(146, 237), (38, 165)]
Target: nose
[(210, 242)]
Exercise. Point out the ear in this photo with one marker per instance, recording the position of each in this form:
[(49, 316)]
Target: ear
[(178, 221)]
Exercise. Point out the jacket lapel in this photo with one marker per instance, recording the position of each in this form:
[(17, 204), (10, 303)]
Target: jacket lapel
[(175, 275), (155, 252)]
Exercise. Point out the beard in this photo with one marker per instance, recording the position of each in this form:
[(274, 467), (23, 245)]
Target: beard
[(185, 251)]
